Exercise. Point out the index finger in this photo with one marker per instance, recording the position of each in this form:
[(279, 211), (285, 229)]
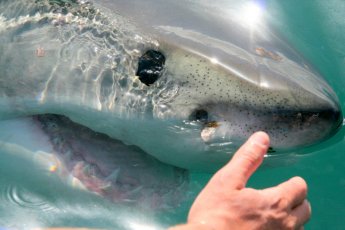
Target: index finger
[(245, 161)]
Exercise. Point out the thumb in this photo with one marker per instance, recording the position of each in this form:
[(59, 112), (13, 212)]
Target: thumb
[(245, 161)]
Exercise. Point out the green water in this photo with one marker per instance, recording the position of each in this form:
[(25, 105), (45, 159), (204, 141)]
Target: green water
[(316, 28)]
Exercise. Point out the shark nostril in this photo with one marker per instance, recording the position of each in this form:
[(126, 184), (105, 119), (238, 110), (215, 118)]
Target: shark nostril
[(150, 66)]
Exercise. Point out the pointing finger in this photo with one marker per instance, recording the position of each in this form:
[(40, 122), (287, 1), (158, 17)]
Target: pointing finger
[(245, 161)]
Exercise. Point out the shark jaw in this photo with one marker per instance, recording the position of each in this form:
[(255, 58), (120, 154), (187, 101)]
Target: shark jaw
[(91, 161)]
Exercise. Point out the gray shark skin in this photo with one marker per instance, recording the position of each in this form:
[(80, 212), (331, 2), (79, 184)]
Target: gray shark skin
[(80, 60)]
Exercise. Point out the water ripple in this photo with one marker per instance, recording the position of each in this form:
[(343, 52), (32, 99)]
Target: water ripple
[(23, 198)]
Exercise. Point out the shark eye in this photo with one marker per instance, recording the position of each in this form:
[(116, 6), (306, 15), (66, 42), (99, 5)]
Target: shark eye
[(150, 67), (199, 115)]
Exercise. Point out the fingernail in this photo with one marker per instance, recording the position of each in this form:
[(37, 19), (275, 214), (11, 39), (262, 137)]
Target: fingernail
[(309, 206), (260, 138)]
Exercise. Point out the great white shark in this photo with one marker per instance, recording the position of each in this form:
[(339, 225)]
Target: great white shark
[(185, 96)]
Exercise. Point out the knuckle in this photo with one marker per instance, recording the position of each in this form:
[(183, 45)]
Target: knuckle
[(290, 223), (279, 219), (257, 147), (281, 203), (250, 155)]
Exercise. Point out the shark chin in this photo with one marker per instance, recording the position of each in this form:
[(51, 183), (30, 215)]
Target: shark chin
[(186, 97)]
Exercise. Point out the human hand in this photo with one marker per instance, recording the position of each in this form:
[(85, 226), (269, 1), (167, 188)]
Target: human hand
[(225, 202)]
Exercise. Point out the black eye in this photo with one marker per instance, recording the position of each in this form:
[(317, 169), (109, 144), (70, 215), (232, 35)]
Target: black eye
[(150, 67), (199, 115)]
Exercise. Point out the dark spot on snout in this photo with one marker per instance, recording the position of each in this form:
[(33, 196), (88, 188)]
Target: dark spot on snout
[(271, 150), (330, 114), (150, 66), (199, 115)]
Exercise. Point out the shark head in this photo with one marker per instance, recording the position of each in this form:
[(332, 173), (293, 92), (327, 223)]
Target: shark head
[(274, 94), (166, 94)]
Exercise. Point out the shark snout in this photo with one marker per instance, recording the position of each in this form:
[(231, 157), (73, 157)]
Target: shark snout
[(288, 128)]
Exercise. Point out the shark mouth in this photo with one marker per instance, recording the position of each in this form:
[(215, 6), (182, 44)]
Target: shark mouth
[(123, 174)]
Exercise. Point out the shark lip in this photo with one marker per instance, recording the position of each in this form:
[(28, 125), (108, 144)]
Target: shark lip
[(312, 125)]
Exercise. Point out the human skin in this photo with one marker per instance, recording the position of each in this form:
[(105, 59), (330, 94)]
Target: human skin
[(226, 202)]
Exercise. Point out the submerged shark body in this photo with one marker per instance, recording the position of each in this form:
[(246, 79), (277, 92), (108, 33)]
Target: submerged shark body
[(74, 60)]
